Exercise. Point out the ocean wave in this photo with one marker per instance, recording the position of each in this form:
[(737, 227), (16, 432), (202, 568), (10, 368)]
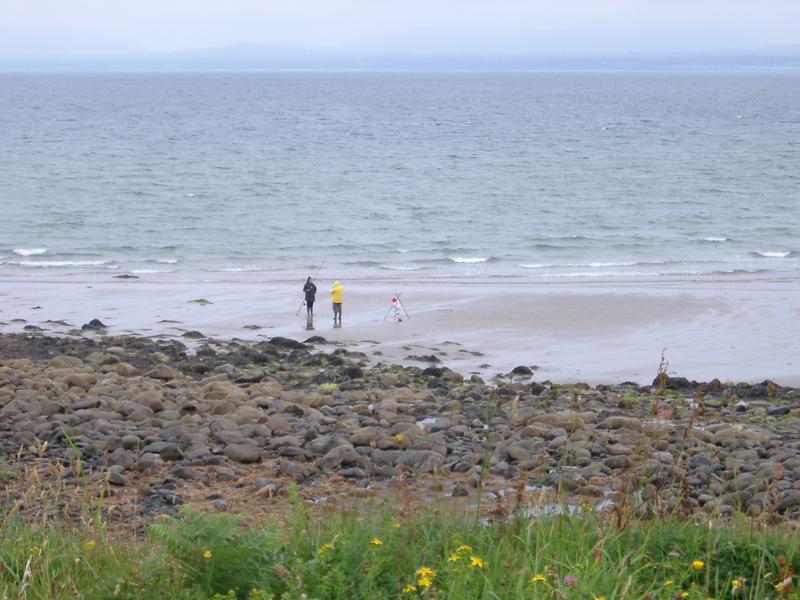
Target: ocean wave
[(402, 267), (63, 263), (591, 265), (166, 261), (470, 260), (713, 238), (604, 274), (363, 263), (244, 269), (29, 251), (774, 254), (151, 271)]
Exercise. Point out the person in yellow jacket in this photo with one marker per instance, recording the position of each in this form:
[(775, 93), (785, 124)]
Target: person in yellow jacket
[(337, 294)]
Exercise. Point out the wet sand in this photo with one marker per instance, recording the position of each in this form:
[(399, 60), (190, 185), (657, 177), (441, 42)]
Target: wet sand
[(596, 332)]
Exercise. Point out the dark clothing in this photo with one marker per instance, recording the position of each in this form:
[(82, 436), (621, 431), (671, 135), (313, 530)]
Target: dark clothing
[(310, 290)]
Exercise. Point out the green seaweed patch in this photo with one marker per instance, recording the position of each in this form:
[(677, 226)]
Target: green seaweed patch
[(201, 301), (328, 388)]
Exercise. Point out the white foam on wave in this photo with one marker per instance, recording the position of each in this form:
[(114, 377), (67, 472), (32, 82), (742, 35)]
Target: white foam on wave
[(245, 269), (29, 251), (591, 265), (403, 267), (602, 274), (714, 238), (469, 260), (151, 271), (167, 261), (596, 265), (779, 254), (63, 263)]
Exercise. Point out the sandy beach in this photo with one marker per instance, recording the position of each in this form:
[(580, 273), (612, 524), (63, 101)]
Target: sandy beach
[(595, 332)]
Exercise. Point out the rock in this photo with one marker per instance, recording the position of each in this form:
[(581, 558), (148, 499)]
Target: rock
[(170, 452), (353, 473), (64, 362), (125, 369), (163, 373), (353, 372), (422, 461), (189, 474), (226, 474), (194, 335), (151, 399), (282, 342), (778, 410), (341, 455), (620, 422), (81, 380), (296, 472), (148, 460), (243, 453), (521, 370), (365, 436), (459, 491), (121, 457), (431, 358), (116, 479), (788, 499), (220, 505), (93, 325)]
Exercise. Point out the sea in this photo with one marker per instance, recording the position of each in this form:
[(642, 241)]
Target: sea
[(518, 176)]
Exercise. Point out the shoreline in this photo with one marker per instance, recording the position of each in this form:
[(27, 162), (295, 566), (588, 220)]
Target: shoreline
[(594, 332)]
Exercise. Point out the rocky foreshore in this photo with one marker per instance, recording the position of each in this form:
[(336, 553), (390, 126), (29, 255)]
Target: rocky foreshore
[(155, 419)]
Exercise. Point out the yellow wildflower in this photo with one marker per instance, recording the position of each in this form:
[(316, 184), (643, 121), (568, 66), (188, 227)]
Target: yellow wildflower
[(425, 582), (454, 557), (410, 589), (396, 525), (325, 548), (207, 554), (698, 564), (737, 583), (685, 594), (668, 583), (538, 578), (90, 545), (476, 562), (599, 598), (400, 438), (376, 542), (463, 549), (425, 572)]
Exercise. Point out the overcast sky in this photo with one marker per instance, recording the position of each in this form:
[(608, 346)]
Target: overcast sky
[(43, 28)]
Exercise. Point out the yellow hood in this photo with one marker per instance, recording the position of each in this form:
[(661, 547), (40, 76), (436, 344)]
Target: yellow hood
[(337, 293)]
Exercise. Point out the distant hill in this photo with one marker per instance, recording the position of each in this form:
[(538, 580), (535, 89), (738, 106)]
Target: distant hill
[(259, 57)]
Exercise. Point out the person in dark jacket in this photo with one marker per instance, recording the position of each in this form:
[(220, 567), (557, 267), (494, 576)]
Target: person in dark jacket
[(310, 290)]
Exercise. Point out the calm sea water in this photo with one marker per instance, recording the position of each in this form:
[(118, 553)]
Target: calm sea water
[(593, 175)]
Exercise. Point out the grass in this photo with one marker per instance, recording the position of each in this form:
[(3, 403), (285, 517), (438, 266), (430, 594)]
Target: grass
[(381, 551)]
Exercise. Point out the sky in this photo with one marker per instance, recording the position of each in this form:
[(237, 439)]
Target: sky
[(102, 28)]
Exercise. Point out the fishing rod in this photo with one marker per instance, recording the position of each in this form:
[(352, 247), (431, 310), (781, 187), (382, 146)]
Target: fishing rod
[(314, 278)]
